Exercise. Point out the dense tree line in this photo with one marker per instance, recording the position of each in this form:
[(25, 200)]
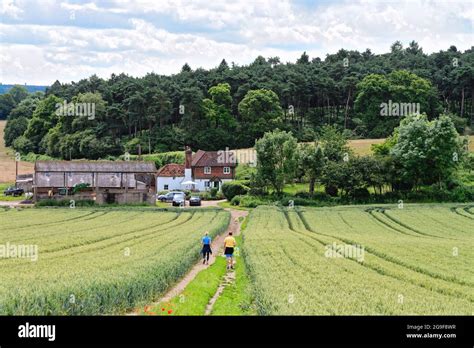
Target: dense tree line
[(231, 105), (419, 154)]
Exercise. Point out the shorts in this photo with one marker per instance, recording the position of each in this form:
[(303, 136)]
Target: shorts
[(229, 252)]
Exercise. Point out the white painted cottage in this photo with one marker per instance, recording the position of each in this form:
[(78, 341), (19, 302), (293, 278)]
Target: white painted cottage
[(207, 169)]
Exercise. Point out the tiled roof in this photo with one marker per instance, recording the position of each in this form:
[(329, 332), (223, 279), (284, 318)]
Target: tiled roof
[(213, 159), (171, 170)]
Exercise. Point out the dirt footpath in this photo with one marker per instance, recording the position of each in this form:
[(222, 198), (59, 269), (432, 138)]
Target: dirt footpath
[(15, 204), (217, 249), (217, 246)]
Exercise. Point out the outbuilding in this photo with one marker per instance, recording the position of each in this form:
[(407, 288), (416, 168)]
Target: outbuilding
[(101, 181)]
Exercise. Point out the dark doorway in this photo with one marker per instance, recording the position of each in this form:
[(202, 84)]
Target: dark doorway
[(110, 198)]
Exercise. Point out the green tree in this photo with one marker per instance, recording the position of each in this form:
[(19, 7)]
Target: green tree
[(217, 109), (190, 109), (444, 149), (244, 102), (136, 106), (23, 145), (95, 113), (334, 144), (18, 93), (7, 104), (158, 110), (10, 100), (14, 129), (44, 117), (312, 162), (373, 172), (386, 146), (260, 112), (276, 159), (376, 91), (411, 149), (427, 151), (18, 119)]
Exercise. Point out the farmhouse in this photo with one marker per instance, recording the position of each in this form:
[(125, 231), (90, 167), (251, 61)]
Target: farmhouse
[(102, 181), (206, 169)]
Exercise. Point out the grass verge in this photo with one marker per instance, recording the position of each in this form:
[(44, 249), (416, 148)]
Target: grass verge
[(195, 297), (237, 298), (227, 204)]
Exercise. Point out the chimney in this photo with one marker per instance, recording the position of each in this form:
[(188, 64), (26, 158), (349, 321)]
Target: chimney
[(188, 157)]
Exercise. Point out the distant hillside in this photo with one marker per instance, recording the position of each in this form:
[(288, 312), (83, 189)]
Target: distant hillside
[(5, 88), (7, 161)]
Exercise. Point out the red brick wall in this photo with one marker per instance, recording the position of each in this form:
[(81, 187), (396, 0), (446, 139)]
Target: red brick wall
[(198, 173)]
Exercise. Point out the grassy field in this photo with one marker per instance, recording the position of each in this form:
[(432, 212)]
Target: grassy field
[(362, 260), (97, 261), (360, 147)]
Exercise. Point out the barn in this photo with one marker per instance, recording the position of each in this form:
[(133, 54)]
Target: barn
[(25, 182), (101, 181)]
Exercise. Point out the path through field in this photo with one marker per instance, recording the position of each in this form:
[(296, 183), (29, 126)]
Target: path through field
[(217, 248), (229, 278)]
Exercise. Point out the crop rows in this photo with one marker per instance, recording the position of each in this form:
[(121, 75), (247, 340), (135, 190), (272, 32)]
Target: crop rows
[(416, 260), (98, 262)]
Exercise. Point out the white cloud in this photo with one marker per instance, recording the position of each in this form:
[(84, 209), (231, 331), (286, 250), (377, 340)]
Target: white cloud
[(90, 6), (10, 9), (237, 31)]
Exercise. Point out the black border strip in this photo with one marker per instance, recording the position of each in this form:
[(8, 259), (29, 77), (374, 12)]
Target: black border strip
[(225, 331)]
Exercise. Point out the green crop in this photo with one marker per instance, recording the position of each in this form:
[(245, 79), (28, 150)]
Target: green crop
[(98, 261), (415, 260)]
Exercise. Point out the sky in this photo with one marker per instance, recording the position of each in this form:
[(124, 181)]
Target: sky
[(46, 40)]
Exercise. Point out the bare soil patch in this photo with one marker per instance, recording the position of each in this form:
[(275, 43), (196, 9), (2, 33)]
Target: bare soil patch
[(7, 160)]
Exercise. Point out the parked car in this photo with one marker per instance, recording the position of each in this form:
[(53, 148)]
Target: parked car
[(195, 200), (179, 199), (13, 191), (168, 197)]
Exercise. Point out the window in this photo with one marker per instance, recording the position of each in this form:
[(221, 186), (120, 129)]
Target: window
[(166, 187), (226, 170), (207, 183), (207, 170)]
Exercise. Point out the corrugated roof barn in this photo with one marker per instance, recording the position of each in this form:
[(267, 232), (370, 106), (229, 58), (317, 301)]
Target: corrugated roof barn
[(108, 180), (95, 166)]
